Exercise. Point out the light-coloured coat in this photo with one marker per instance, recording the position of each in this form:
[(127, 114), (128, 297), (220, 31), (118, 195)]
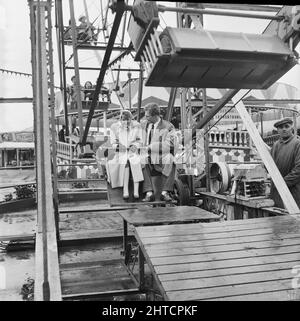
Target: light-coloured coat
[(164, 144), (116, 166)]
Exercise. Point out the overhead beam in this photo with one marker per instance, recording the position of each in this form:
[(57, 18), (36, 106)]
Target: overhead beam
[(196, 11), (120, 7), (242, 7), (89, 47), (16, 100)]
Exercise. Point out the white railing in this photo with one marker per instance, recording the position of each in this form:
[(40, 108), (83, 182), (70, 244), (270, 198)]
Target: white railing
[(152, 50), (229, 138), (65, 150)]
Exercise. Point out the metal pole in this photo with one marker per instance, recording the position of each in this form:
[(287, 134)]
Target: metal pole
[(193, 11), (140, 94), (34, 69), (61, 47), (206, 142), (76, 65), (129, 84), (53, 131), (261, 124)]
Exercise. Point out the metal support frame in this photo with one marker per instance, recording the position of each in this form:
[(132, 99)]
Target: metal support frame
[(140, 93), (76, 65), (120, 6), (53, 130), (171, 102), (194, 11), (62, 59)]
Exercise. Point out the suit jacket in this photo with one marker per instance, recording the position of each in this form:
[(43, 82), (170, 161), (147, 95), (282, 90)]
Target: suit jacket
[(163, 146)]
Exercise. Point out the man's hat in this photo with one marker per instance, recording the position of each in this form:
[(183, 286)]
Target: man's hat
[(285, 120)]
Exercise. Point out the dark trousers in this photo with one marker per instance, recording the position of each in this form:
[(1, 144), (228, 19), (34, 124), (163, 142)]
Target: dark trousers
[(167, 181)]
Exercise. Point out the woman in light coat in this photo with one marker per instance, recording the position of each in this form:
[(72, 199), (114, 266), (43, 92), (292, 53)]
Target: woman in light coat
[(126, 138)]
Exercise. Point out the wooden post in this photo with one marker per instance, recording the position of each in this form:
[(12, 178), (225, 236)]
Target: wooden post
[(18, 158), (140, 93), (266, 157), (105, 122), (125, 241), (206, 141), (141, 270)]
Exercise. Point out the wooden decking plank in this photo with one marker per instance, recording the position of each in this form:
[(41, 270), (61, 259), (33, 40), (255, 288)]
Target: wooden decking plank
[(84, 277), (204, 237), (204, 228), (229, 290), (247, 240), (88, 234), (281, 295), (168, 250), (226, 255), (240, 270), (231, 280), (85, 265), (212, 264), (233, 223), (166, 215)]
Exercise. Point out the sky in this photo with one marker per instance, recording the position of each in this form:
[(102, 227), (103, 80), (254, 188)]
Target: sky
[(16, 52)]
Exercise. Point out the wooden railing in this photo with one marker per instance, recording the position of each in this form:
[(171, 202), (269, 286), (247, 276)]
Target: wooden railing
[(270, 140), (229, 138)]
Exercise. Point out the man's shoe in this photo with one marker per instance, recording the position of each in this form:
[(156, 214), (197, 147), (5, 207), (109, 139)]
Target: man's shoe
[(166, 197), (149, 198)]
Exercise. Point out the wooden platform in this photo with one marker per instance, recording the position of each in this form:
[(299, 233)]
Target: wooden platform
[(166, 215), (234, 260)]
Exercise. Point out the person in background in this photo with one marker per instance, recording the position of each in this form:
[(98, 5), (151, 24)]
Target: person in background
[(61, 134), (88, 90), (71, 90), (286, 155), (160, 140), (68, 32), (75, 130), (126, 138), (83, 30)]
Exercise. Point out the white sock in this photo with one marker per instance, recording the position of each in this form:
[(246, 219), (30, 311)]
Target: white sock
[(164, 192), (149, 193)]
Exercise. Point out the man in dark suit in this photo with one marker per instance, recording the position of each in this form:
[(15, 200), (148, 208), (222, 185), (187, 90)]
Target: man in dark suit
[(160, 140)]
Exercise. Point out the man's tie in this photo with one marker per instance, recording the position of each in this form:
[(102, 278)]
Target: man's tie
[(150, 128)]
